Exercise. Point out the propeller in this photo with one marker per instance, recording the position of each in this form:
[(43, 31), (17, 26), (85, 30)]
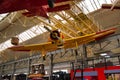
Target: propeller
[(55, 36)]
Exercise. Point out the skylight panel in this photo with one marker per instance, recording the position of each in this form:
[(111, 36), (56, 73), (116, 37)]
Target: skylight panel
[(20, 40), (64, 13), (30, 34), (3, 15), (102, 2), (5, 45), (38, 31), (88, 6), (43, 29), (83, 7), (58, 17), (2, 47), (8, 43), (23, 36)]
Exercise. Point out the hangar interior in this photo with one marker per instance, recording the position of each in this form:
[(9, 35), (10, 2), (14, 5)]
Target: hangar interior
[(84, 17)]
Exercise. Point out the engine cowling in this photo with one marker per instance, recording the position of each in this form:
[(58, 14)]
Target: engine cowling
[(54, 35)]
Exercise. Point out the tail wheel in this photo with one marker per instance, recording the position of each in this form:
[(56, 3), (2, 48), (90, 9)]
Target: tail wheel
[(54, 35)]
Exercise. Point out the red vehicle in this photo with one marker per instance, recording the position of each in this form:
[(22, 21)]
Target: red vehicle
[(96, 73)]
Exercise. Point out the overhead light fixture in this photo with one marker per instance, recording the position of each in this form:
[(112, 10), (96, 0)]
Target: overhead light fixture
[(103, 54), (15, 74), (107, 56), (25, 73)]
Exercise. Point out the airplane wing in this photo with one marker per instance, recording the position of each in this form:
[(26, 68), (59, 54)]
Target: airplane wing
[(34, 47), (75, 42), (68, 43), (42, 11), (7, 6), (48, 46)]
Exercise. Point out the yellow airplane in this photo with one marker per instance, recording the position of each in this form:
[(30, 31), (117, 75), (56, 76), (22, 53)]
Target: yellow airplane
[(67, 43)]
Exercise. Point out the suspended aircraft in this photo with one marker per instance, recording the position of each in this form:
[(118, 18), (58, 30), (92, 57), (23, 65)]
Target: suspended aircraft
[(34, 7), (66, 43)]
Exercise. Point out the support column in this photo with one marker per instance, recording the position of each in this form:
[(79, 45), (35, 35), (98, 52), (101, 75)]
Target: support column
[(51, 66), (1, 71), (29, 67), (84, 56), (14, 66), (82, 71), (29, 64), (76, 61), (119, 59), (84, 63), (118, 42)]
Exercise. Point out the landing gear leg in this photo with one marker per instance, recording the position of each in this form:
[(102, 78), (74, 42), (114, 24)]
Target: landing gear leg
[(44, 58)]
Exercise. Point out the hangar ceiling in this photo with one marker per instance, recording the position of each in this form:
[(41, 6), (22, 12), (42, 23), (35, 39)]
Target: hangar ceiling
[(83, 18)]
